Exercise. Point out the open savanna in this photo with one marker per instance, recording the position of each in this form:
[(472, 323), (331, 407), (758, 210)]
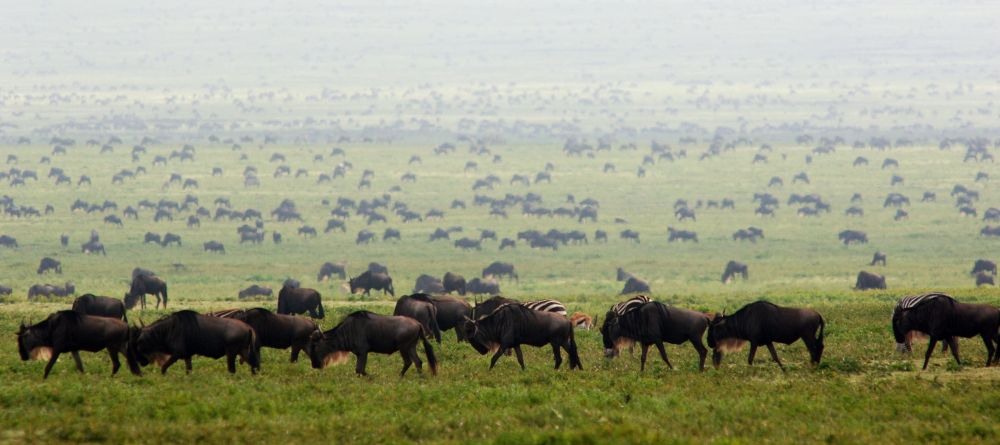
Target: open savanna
[(863, 392)]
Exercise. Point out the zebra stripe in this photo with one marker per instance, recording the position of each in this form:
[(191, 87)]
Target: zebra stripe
[(546, 306), (915, 300), (228, 313), (630, 305)]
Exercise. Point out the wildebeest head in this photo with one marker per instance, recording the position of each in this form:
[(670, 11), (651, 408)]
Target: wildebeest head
[(723, 336), (322, 352), (613, 336), (474, 336), (33, 342), (141, 349)]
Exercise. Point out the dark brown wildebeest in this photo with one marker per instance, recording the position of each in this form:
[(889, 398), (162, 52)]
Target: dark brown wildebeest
[(499, 270), (513, 325), (299, 300), (486, 307), (328, 270), (420, 307), (142, 285), (764, 323), (985, 266), (184, 334), (878, 258), (852, 236), (70, 331), (49, 290), (453, 282), (90, 304), (943, 319), (152, 238), (635, 285), (276, 331), (374, 267), (427, 284), (451, 313), (93, 247), (363, 332), (868, 280), (984, 279), (8, 241), (621, 275), (369, 280), (255, 291), (468, 244), (484, 286), (214, 246), (48, 264), (652, 324), (734, 268), (170, 238), (630, 234)]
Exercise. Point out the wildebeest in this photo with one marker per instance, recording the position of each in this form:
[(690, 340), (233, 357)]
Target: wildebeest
[(170, 238), (852, 236), (764, 323), (468, 244), (427, 284), (653, 323), (184, 334), (70, 331), (984, 266), (276, 331), (511, 325), (369, 280), (942, 318), (93, 247), (214, 246), (635, 285), (984, 279), (499, 270), (8, 241), (48, 264), (878, 258), (90, 304), (375, 267), (419, 307), (49, 290), (451, 313), (453, 282), (363, 332), (328, 270), (484, 286), (145, 284), (152, 238), (868, 280), (734, 268), (255, 291), (298, 300)]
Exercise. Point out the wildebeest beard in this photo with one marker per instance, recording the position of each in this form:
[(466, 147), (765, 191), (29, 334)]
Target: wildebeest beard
[(30, 346), (728, 345)]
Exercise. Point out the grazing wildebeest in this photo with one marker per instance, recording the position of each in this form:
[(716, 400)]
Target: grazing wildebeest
[(363, 332), (653, 323), (763, 323), (507, 243), (984, 266), (453, 282), (49, 290), (145, 284), (734, 268), (72, 332), (369, 280), (48, 264), (878, 258), (984, 279), (419, 307), (276, 331), (152, 238), (635, 285), (214, 246), (170, 238), (621, 275), (255, 291), (469, 244), (297, 300), (93, 247), (499, 270), (630, 235), (8, 241), (511, 325), (427, 284), (90, 304), (451, 313), (852, 236), (184, 334), (375, 267), (868, 280), (328, 270), (485, 286), (943, 319)]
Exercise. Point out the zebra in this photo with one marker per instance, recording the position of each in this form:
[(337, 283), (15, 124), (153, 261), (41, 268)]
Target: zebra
[(630, 305), (546, 306), (911, 302)]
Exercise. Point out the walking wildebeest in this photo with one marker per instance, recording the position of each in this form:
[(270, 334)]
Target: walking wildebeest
[(734, 268), (635, 285), (478, 286), (499, 270), (763, 323), (419, 307), (451, 313), (511, 325), (868, 280), (70, 331), (363, 332), (942, 319), (255, 291), (878, 258), (184, 334), (427, 284), (49, 290), (214, 246), (328, 270), (142, 285), (652, 324), (298, 300), (454, 282), (369, 280), (48, 264), (276, 331), (984, 266), (90, 304)]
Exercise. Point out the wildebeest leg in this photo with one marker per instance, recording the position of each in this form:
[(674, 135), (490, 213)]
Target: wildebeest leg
[(556, 354), (953, 344), (79, 363), (295, 354), (702, 352), (231, 361), (753, 352), (930, 350), (774, 355), (989, 349), (493, 361), (716, 358), (663, 354), (520, 357), (416, 359), (115, 364), (407, 361), (187, 365), (170, 361), (359, 368), (812, 346), (642, 357), (50, 364)]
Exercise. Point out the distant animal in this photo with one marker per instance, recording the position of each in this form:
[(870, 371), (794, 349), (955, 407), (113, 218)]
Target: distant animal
[(368, 281), (653, 323), (363, 332), (453, 282), (983, 279), (419, 307), (214, 246), (184, 334), (499, 270), (142, 285), (512, 325), (868, 280), (451, 313), (984, 266), (878, 258), (276, 331), (90, 304), (762, 324), (50, 290), (733, 269), (72, 332), (93, 247), (942, 318), (427, 284), (328, 270), (484, 286), (635, 285), (49, 264), (255, 291), (849, 237), (299, 300)]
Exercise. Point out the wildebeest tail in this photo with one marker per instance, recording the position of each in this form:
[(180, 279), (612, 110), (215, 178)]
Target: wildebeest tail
[(574, 356), (253, 355), (130, 359), (429, 351), (319, 309), (164, 295), (819, 341)]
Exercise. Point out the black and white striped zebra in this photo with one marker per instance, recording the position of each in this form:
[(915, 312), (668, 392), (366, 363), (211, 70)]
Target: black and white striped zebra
[(546, 306), (630, 305), (911, 302)]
